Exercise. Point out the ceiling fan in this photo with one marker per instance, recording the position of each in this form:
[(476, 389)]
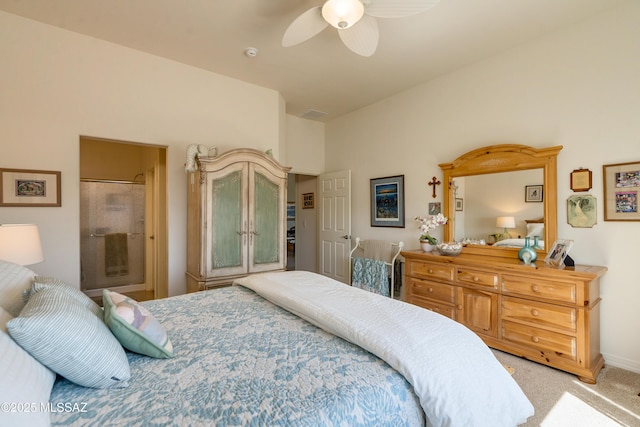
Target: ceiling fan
[(354, 19)]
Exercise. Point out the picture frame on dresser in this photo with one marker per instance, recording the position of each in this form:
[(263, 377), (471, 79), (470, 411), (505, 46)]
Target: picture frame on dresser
[(621, 189), (558, 252)]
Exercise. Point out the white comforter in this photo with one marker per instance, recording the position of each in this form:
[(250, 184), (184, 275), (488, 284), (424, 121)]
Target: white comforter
[(456, 376)]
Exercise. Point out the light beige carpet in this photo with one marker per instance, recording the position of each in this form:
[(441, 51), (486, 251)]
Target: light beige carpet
[(561, 400)]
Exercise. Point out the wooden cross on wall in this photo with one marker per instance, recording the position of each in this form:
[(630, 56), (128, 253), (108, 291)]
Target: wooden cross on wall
[(433, 183)]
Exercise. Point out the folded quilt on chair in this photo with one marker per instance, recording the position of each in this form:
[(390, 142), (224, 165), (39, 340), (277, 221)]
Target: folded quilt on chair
[(371, 275)]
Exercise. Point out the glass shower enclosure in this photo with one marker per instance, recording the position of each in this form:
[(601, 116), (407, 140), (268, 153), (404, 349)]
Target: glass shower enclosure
[(112, 236)]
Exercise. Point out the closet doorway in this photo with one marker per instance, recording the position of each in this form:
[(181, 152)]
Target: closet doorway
[(301, 224), (123, 218)]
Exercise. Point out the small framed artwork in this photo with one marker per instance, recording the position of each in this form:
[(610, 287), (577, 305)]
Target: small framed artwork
[(459, 205), (23, 187), (580, 180), (533, 193), (387, 201), (558, 252), (621, 187), (291, 210), (435, 208), (307, 201), (581, 211)]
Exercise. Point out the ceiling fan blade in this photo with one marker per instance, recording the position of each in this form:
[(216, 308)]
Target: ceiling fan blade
[(362, 38), (304, 27), (397, 8)]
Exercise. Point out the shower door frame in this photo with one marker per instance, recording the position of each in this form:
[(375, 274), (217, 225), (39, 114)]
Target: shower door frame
[(149, 232)]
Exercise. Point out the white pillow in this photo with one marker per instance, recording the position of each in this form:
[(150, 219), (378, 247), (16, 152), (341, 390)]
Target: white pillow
[(4, 318), (15, 280), (23, 380), (68, 338), (535, 229)]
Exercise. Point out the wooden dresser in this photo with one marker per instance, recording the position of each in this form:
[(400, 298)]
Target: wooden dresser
[(541, 313)]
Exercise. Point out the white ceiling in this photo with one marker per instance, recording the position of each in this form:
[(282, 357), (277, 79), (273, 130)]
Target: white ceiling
[(320, 74)]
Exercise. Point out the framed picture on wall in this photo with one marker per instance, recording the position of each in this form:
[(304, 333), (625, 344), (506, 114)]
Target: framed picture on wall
[(459, 204), (24, 187), (621, 188), (307, 201), (435, 208), (387, 201), (581, 211), (533, 193), (580, 180)]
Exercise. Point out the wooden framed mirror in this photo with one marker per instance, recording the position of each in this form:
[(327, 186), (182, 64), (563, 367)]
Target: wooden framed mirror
[(502, 179)]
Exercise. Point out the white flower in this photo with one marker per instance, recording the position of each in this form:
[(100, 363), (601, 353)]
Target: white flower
[(428, 224)]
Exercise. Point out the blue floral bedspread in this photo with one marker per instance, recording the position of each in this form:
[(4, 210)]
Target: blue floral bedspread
[(240, 360)]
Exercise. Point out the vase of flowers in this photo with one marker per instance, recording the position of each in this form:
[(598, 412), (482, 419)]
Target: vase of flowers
[(426, 225)]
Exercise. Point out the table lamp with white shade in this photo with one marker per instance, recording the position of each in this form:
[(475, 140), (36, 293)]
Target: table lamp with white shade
[(505, 222), (20, 244)]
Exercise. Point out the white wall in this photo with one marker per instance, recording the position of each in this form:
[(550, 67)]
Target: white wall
[(304, 145), (578, 88), (56, 85)]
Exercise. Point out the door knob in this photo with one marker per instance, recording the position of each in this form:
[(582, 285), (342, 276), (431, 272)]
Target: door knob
[(346, 237)]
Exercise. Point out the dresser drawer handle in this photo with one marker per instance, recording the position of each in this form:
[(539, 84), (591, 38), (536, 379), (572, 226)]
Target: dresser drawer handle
[(459, 306), (430, 271), (535, 288), (476, 278), (430, 289), (535, 339), (535, 312)]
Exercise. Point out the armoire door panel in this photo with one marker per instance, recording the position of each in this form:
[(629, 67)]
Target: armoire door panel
[(227, 222), (266, 224), (267, 199)]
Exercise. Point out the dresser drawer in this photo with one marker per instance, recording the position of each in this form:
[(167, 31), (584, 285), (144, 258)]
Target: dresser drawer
[(539, 314), (560, 345), (444, 309), (434, 291), (540, 288), (431, 270), (478, 278)]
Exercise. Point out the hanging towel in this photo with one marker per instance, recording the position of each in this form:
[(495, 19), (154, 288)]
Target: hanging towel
[(371, 275), (380, 250), (116, 255)]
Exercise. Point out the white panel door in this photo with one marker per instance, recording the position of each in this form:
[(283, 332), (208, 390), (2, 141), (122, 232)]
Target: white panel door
[(334, 224)]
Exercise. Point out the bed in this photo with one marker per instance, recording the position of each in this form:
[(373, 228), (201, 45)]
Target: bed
[(287, 348), (516, 243), (535, 228)]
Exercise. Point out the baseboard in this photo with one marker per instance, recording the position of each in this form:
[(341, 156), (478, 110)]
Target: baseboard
[(622, 363), (120, 289)]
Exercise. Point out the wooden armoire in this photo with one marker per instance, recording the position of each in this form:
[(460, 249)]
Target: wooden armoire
[(236, 218)]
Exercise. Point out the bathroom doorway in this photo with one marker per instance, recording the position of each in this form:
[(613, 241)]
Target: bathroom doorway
[(123, 218)]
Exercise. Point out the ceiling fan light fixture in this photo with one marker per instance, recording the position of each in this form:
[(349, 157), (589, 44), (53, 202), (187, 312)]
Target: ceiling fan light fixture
[(342, 14)]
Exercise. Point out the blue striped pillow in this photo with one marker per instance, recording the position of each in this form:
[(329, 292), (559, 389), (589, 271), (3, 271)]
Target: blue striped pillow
[(44, 282), (62, 334)]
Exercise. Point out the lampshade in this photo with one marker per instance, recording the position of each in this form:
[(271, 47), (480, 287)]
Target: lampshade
[(342, 14), (20, 244), (506, 222)]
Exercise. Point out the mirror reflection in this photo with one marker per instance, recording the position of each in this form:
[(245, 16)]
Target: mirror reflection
[(491, 208)]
